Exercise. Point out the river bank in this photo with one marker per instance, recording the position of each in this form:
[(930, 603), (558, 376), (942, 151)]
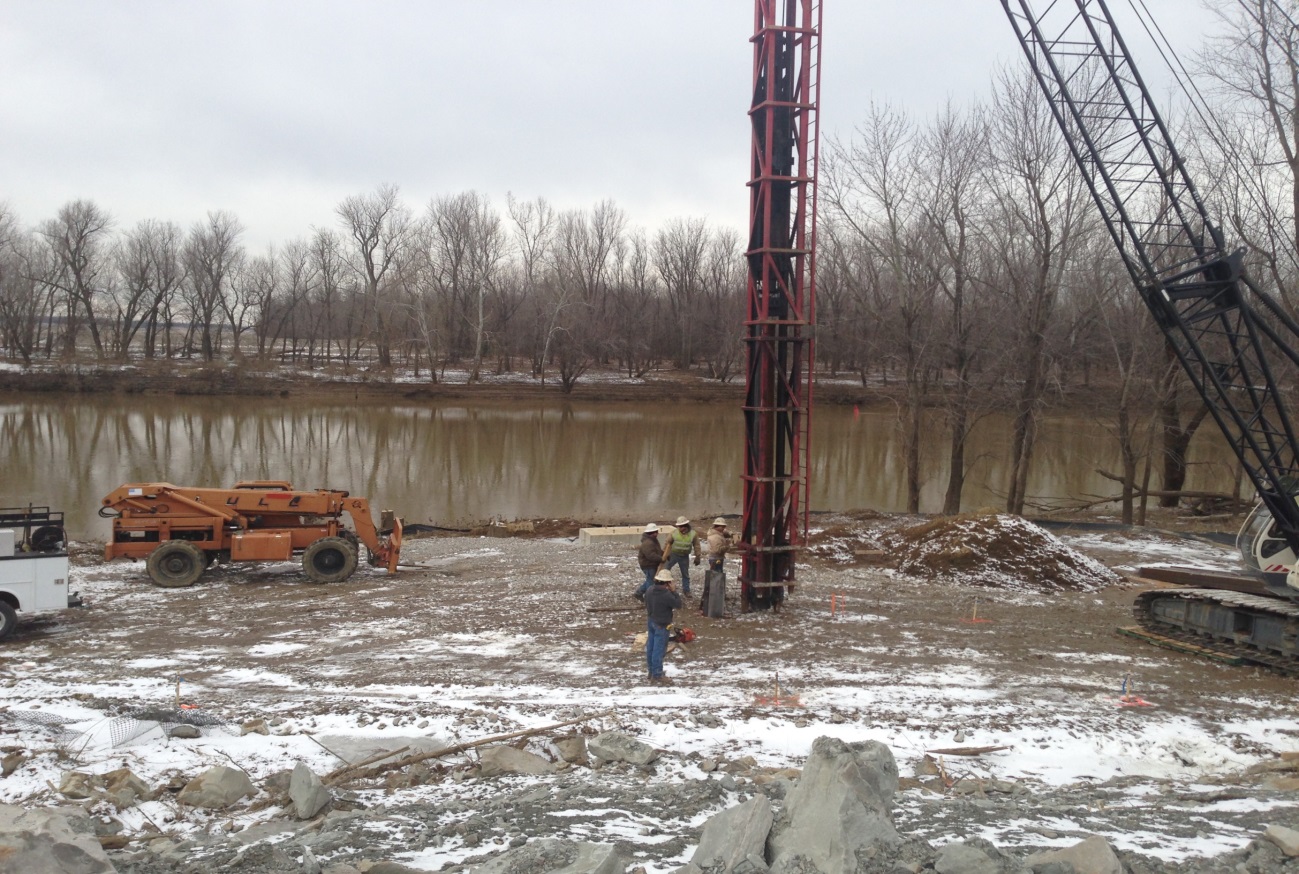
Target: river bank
[(248, 378)]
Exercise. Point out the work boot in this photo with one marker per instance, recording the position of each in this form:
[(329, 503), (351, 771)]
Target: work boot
[(639, 595)]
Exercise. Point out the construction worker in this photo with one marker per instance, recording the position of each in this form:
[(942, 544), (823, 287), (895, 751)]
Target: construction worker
[(719, 543), (677, 552), (660, 601), (650, 558)]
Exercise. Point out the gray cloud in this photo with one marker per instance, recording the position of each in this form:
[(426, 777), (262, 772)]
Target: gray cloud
[(277, 110)]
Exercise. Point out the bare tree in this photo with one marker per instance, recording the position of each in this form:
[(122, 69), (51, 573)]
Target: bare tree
[(211, 253), (465, 247), (79, 241), (381, 229), (872, 187), (680, 248), (1041, 212), (534, 225), (22, 305), (721, 310)]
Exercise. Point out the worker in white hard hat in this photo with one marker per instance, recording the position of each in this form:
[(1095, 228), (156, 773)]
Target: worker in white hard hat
[(649, 557), (660, 601), (676, 552), (719, 543)]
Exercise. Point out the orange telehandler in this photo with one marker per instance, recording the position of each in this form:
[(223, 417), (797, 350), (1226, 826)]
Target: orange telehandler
[(180, 531)]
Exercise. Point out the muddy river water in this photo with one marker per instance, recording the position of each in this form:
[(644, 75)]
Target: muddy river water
[(453, 462)]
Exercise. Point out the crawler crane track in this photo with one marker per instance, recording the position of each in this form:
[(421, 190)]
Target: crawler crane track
[(1229, 626)]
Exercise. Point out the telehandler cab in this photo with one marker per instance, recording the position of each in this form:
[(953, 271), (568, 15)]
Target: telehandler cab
[(181, 530)]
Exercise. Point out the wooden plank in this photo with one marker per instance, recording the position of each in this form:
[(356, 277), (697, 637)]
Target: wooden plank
[(1173, 643), (966, 751)]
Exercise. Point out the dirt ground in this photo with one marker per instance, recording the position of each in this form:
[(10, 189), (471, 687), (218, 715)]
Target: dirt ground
[(487, 632)]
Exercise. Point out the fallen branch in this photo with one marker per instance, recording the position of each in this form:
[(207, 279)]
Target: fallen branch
[(379, 756), (966, 751), (468, 745)]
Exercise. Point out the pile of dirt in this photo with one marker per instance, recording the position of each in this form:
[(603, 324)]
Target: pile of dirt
[(995, 551)]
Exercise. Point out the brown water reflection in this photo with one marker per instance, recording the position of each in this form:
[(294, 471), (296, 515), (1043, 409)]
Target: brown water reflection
[(460, 461)]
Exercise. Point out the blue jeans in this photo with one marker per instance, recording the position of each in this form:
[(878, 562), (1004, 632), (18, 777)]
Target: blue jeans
[(682, 559), (656, 645), (649, 580)]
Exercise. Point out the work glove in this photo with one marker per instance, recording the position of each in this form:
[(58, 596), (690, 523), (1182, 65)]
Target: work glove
[(696, 561)]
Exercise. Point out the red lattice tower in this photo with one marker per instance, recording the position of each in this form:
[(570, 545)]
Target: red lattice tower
[(782, 292)]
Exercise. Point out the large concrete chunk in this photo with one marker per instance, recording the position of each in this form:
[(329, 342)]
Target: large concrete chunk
[(48, 842), (616, 746), (216, 788), (557, 856), (841, 805), (1091, 856), (499, 760), (731, 837), (308, 794)]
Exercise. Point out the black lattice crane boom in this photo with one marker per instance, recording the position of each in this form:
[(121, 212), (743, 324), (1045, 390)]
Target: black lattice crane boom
[(1230, 336)]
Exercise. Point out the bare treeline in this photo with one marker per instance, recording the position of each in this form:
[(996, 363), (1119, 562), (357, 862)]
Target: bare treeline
[(536, 288)]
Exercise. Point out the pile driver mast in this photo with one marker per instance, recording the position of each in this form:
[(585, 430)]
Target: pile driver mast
[(781, 294)]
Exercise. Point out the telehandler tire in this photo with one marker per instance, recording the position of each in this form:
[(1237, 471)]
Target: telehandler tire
[(176, 564), (329, 560)]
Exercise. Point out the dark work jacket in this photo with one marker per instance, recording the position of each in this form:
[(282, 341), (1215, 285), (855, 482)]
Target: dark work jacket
[(650, 553), (660, 601)]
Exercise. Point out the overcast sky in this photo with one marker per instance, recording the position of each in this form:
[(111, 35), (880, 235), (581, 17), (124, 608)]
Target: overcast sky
[(278, 110)]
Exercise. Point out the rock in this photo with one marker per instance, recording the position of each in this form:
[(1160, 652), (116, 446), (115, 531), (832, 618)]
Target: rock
[(840, 807), (616, 746), (1091, 856), (1287, 839), (216, 788), (184, 732), (308, 794), (927, 767), (728, 783), (310, 865), (125, 788), (45, 841), (11, 763), (340, 868), (961, 858), (78, 785), (278, 783), (708, 765), (572, 749), (254, 726), (959, 737), (556, 856), (504, 759), (391, 868), (729, 838)]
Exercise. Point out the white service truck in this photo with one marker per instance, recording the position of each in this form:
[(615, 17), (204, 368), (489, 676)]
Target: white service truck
[(33, 565)]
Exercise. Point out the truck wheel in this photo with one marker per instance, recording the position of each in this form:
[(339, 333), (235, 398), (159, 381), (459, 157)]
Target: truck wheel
[(329, 560), (176, 564), (8, 620)]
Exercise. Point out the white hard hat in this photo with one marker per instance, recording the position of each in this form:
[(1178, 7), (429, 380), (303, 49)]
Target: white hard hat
[(651, 528), (719, 522), (664, 576), (682, 520)]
